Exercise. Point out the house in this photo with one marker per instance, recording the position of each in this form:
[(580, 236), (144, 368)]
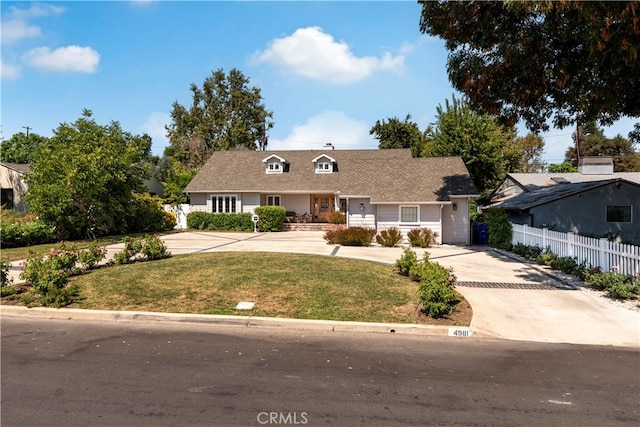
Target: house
[(595, 201), (374, 188), (12, 185)]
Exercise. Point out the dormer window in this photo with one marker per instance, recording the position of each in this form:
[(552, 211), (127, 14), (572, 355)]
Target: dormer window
[(324, 164), (275, 164)]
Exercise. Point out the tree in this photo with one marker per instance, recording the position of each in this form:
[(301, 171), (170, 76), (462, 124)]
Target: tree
[(20, 148), (399, 134), (593, 142), (177, 179), (524, 154), (562, 167), (574, 61), (82, 181), (225, 113), (477, 138)]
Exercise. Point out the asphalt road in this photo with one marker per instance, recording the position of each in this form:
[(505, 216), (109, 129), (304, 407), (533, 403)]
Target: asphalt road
[(82, 373)]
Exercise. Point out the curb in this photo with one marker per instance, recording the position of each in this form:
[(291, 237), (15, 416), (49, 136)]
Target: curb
[(222, 320)]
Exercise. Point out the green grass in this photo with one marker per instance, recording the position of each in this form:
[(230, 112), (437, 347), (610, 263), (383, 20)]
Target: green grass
[(281, 285)]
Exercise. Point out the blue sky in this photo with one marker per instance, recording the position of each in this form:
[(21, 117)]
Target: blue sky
[(327, 70)]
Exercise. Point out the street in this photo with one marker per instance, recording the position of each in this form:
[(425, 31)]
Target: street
[(62, 372)]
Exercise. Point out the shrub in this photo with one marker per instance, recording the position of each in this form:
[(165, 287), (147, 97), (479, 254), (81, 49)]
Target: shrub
[(351, 236), (337, 217), (25, 234), (132, 247), (422, 237), (153, 248), (5, 266), (90, 257), (271, 218), (436, 292), (614, 284), (169, 220), (390, 237), (220, 221), (500, 229), (147, 214), (569, 265), (48, 275), (198, 220), (406, 261)]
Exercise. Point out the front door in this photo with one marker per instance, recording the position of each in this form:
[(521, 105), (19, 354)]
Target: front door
[(322, 207)]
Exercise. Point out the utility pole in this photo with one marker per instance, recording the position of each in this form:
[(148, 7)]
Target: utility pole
[(578, 141), (28, 129)]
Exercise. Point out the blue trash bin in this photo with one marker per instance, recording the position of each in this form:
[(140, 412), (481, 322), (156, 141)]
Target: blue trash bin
[(481, 234)]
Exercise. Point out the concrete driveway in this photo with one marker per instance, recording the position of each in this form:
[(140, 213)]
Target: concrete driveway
[(510, 300)]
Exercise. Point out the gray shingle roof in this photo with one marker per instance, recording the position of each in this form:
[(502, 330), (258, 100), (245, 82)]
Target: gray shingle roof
[(384, 175), (554, 192), (533, 181), (19, 167)]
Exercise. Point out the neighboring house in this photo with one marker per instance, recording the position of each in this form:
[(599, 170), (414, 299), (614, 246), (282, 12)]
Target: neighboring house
[(374, 188), (12, 186), (594, 201)]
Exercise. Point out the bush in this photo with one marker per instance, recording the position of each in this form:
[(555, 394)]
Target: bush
[(351, 236), (569, 265), (25, 234), (169, 220), (337, 217), (614, 284), (132, 247), (220, 221), (436, 290), (390, 237), (147, 214), (153, 248), (406, 261), (271, 218), (90, 257), (48, 275), (500, 229), (422, 237), (5, 266)]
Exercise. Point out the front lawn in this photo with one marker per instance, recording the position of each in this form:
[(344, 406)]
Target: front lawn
[(281, 285)]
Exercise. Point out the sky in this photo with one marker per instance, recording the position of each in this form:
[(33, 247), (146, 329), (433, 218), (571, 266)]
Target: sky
[(327, 70)]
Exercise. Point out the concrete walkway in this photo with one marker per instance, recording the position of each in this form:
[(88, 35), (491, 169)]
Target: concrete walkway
[(510, 299)]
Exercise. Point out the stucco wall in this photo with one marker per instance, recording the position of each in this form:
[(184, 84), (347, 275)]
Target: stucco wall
[(585, 213)]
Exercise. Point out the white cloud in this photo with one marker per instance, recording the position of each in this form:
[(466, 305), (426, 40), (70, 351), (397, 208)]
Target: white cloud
[(154, 127), (312, 53), (9, 71), (68, 58), (36, 10), (333, 127), (15, 30), (15, 26)]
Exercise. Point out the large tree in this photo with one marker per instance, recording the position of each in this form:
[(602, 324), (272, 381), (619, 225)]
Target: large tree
[(524, 154), (477, 138), (572, 61), (593, 142), (20, 147), (393, 133), (224, 114), (83, 180)]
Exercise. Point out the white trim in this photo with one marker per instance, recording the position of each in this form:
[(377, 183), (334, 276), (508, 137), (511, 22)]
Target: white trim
[(266, 159), (331, 159)]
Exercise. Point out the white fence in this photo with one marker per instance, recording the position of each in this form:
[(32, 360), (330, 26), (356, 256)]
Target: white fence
[(181, 212), (595, 252)]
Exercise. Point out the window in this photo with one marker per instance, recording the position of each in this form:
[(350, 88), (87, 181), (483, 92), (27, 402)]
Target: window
[(273, 200), (618, 213), (6, 198), (223, 204), (408, 214), (274, 167), (323, 167)]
